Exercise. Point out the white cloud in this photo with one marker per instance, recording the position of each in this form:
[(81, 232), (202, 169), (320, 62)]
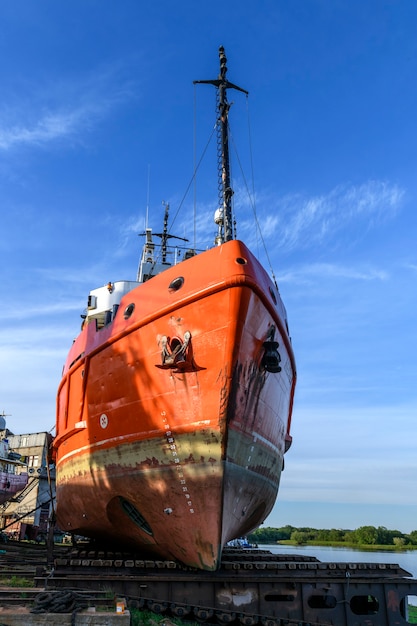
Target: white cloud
[(41, 310), (299, 221), (60, 110), (313, 271), (49, 128)]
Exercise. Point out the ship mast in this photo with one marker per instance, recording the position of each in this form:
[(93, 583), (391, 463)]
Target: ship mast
[(165, 235), (223, 216)]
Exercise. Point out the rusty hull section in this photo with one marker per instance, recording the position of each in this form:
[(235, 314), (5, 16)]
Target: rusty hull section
[(177, 457)]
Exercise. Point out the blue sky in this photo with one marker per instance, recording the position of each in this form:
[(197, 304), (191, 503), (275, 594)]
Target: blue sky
[(96, 119)]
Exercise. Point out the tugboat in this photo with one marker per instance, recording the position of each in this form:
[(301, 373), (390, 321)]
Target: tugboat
[(174, 408)]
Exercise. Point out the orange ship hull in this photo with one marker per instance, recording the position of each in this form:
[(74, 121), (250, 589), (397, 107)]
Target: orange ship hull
[(171, 426)]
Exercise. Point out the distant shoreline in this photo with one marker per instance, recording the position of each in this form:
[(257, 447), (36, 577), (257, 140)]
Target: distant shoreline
[(369, 538), (342, 544)]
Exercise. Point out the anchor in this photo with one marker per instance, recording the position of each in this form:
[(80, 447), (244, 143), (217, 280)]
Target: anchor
[(271, 358), (175, 351)]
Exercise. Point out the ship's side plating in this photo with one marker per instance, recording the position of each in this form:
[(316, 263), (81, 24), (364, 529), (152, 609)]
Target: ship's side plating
[(173, 418)]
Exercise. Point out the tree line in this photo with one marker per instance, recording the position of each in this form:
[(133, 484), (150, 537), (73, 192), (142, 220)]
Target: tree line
[(364, 535)]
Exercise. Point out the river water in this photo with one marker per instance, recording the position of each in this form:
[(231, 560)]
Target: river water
[(407, 559)]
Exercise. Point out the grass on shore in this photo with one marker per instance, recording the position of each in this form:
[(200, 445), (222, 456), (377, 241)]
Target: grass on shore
[(139, 617), (142, 617), (352, 546), (16, 581)]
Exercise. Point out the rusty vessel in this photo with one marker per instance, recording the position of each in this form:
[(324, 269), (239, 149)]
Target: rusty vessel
[(174, 408)]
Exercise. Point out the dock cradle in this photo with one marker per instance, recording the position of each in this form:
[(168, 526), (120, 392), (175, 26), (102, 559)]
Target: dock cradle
[(252, 587)]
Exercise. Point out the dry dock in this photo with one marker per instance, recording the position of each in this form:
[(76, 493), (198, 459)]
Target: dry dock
[(252, 588)]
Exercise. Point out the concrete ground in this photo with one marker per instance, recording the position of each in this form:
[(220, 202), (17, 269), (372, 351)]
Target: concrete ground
[(20, 616)]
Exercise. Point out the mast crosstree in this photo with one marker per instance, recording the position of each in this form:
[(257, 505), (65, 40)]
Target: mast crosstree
[(224, 213)]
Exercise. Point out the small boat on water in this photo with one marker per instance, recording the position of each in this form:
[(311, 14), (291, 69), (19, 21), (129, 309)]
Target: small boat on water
[(13, 471), (174, 408)]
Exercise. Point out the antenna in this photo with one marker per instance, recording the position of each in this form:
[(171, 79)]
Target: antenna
[(147, 196), (223, 215)]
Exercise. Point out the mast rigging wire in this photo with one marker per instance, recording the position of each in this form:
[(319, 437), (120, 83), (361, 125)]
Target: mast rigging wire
[(252, 201)]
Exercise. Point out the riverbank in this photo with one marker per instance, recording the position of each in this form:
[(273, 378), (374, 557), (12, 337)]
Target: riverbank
[(345, 544)]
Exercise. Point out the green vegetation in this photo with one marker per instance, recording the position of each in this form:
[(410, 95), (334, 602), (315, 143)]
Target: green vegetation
[(139, 617), (412, 614), (16, 581), (365, 537)]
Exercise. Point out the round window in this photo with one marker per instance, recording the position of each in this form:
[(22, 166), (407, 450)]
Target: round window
[(128, 311), (176, 284)]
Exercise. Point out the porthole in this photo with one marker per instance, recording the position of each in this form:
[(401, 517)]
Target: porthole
[(176, 284), (273, 296), (241, 261), (128, 311)]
